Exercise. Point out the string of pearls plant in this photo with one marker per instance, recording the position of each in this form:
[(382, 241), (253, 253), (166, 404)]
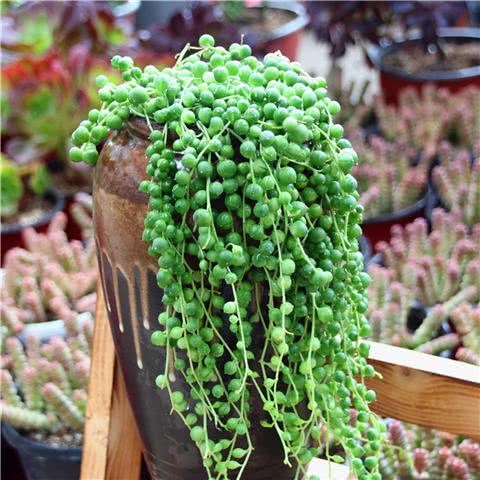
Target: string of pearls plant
[(254, 219)]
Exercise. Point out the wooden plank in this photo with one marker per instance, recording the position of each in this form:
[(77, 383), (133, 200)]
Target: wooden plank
[(99, 405), (426, 390), (124, 447)]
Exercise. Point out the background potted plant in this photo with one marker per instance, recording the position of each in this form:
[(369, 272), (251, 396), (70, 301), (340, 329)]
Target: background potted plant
[(392, 189), (50, 279), (457, 181), (52, 52), (265, 27), (416, 452), (43, 399), (235, 304), (27, 200), (425, 294), (422, 54)]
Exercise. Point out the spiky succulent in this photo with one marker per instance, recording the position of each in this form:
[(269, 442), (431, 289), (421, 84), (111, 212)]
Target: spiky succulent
[(44, 386), (52, 278), (387, 179), (457, 180), (393, 312), (466, 321), (444, 262), (423, 120), (417, 453)]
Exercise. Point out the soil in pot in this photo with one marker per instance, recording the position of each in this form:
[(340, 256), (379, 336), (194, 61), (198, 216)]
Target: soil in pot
[(41, 461), (454, 56), (405, 64), (262, 21)]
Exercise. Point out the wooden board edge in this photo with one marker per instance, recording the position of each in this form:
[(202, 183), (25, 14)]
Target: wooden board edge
[(99, 403), (124, 446)]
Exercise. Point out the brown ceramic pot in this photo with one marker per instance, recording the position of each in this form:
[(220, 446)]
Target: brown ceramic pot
[(133, 302)]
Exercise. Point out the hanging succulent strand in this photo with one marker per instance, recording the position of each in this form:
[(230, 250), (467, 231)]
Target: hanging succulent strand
[(254, 219)]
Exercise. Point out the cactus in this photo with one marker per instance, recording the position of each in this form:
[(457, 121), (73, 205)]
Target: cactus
[(466, 320), (416, 453), (44, 387), (392, 302), (52, 278), (387, 181), (457, 180), (423, 120), (445, 262)]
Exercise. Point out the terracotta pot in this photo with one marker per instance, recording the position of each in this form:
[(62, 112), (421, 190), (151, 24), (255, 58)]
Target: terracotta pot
[(393, 80), (12, 233), (285, 38), (377, 229), (133, 302)]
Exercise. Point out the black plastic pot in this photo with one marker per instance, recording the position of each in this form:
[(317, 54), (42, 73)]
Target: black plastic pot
[(12, 233), (377, 228), (42, 462), (394, 80)]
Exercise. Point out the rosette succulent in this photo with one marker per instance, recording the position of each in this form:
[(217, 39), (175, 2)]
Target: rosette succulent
[(254, 220)]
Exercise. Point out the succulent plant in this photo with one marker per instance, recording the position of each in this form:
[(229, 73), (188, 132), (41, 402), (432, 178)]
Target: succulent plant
[(387, 181), (417, 453), (423, 120), (457, 180), (466, 320), (11, 185), (264, 202), (81, 211), (441, 270), (444, 262), (51, 279), (44, 386), (392, 304)]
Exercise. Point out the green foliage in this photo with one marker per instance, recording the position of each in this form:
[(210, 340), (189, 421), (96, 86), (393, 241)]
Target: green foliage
[(11, 187), (36, 32), (40, 180), (254, 221)]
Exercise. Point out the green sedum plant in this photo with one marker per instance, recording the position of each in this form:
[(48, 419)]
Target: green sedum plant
[(254, 219), (11, 187)]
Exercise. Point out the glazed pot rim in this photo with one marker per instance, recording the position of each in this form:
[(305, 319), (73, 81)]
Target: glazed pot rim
[(58, 204), (14, 438), (378, 54), (399, 214)]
